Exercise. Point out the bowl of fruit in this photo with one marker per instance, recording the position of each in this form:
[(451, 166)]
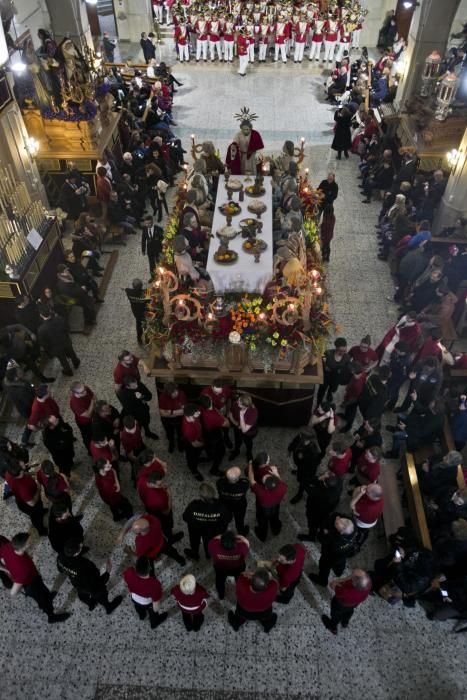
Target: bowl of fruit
[(225, 256), (254, 245), (230, 209)]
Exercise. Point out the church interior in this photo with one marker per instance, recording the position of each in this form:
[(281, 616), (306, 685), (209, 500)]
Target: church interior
[(226, 224)]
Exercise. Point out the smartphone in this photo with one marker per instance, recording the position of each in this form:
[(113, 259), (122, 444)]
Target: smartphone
[(444, 593)]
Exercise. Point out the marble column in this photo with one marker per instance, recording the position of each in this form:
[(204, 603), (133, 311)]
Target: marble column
[(133, 17), (70, 19), (430, 30), (454, 202)]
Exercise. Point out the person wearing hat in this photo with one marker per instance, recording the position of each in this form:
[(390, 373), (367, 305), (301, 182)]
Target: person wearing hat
[(280, 38), (317, 38), (201, 30), (214, 30), (330, 38), (228, 34), (265, 31), (181, 40), (301, 29), (243, 44)]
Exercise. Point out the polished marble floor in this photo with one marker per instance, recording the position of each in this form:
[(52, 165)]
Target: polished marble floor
[(387, 652)]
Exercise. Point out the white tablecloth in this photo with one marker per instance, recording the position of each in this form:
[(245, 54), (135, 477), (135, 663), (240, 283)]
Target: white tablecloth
[(245, 275)]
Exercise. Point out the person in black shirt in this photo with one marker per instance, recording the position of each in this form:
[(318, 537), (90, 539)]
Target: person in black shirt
[(206, 518), (21, 394), (307, 456), (330, 190), (81, 276), (323, 495), (63, 526), (372, 401), (366, 436), (106, 422), (136, 295), (338, 537), (148, 48), (85, 577), (232, 489), (336, 369), (151, 242), (58, 439), (134, 397), (27, 313), (54, 338)]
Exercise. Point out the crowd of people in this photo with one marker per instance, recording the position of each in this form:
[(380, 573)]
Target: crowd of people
[(337, 459)]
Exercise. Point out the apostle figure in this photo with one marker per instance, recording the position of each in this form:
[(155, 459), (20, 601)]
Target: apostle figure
[(249, 142)]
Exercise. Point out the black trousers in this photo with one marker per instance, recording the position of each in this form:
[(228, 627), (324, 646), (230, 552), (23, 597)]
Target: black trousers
[(193, 622), (67, 353), (328, 387), (286, 596), (166, 521), (192, 457), (173, 430), (35, 513), (222, 575), (268, 517), (267, 618), (86, 434), (216, 452), (147, 611), (326, 563), (38, 591), (152, 259), (240, 437), (197, 535), (238, 511), (340, 613), (350, 412), (139, 327), (325, 251), (123, 510)]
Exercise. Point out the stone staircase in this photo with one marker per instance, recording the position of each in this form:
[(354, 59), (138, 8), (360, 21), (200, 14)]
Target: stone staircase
[(105, 7)]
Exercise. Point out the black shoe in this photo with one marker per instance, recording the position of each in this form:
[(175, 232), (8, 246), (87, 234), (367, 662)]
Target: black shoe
[(316, 579), (198, 476), (216, 472), (180, 560), (58, 617), (159, 620), (76, 364), (271, 624), (152, 436), (67, 372), (328, 624), (233, 455), (244, 531), (47, 380), (171, 448), (305, 537), (296, 499), (191, 554), (176, 537), (114, 604), (262, 539), (390, 429), (231, 619)]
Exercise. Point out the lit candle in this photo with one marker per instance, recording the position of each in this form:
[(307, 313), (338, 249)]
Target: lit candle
[(210, 316), (180, 302), (302, 140), (292, 307), (193, 139), (315, 274), (319, 290), (158, 284)]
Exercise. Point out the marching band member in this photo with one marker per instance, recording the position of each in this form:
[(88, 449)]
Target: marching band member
[(181, 39), (214, 29), (317, 39), (280, 36), (301, 29), (330, 38), (265, 31), (228, 38), (345, 38), (243, 44), (201, 27)]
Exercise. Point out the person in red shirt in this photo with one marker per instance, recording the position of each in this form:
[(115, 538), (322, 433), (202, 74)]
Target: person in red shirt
[(368, 466), (18, 565), (148, 463), (243, 43), (221, 398), (349, 593), (172, 401), (102, 448), (192, 600), (149, 538), (352, 393), (108, 486), (367, 504), (244, 418), (289, 567), (213, 423), (364, 354), (269, 494), (157, 500), (145, 591), (43, 406), (228, 553), (192, 432), (256, 594), (27, 495), (82, 404), (132, 443), (127, 366), (341, 458)]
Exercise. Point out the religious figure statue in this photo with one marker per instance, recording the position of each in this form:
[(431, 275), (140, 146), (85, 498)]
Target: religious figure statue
[(242, 154)]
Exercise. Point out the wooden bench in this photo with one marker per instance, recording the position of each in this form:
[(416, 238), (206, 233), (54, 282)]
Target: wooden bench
[(442, 241), (393, 515), (412, 486)]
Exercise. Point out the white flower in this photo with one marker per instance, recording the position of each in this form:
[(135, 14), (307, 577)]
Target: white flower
[(235, 337)]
